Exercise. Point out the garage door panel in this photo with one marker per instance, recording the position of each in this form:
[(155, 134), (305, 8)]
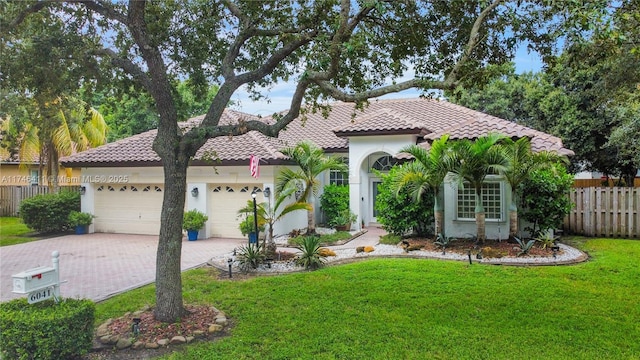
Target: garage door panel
[(224, 204), (128, 209)]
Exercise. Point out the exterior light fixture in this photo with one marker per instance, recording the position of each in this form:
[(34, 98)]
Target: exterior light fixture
[(230, 261), (135, 328), (83, 190), (194, 192), (267, 192)]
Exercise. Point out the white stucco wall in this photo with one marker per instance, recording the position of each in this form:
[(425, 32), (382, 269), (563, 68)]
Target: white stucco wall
[(360, 191), (467, 228)]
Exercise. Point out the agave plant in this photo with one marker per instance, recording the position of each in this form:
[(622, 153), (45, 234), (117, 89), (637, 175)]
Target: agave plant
[(310, 257), (249, 257), (524, 247), (443, 241), (546, 241)]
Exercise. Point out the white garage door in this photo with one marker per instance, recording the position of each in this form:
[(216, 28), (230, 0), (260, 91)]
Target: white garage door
[(128, 209), (225, 202)]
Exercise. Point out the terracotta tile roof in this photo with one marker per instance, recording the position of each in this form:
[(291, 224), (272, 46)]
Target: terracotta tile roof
[(383, 120), (409, 116), (479, 124)]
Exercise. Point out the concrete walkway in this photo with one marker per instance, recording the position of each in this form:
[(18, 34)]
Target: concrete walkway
[(98, 266)]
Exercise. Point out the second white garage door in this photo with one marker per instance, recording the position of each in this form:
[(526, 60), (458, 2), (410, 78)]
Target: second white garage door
[(224, 203)]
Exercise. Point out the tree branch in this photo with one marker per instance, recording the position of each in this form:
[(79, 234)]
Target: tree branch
[(159, 86), (28, 11), (126, 65), (338, 94), (474, 38), (103, 8)]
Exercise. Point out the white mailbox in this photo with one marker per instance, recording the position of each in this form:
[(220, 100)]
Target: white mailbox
[(34, 279)]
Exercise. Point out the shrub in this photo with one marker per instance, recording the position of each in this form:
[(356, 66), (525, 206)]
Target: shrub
[(334, 201), (345, 218), (310, 257), (46, 330), (443, 242), (524, 246), (77, 218), (250, 256), (248, 225), (401, 214), (544, 199), (49, 213), (194, 220)]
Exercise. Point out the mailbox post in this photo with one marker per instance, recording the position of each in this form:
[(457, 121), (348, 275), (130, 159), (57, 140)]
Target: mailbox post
[(39, 283)]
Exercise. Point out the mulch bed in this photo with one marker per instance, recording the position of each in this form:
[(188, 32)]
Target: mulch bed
[(496, 248)]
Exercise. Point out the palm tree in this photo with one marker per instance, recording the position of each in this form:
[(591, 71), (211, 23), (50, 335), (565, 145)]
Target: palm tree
[(268, 214), (474, 160), (427, 171), (59, 128), (521, 162), (312, 162)]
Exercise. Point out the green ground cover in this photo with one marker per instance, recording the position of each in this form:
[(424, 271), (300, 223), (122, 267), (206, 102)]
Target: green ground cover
[(423, 309), (13, 231)]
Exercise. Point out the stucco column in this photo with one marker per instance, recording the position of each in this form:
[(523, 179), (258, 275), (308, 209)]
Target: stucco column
[(87, 203), (355, 205), (200, 203)]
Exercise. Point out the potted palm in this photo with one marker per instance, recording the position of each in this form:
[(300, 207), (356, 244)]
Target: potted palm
[(193, 221), (80, 221), (343, 221)]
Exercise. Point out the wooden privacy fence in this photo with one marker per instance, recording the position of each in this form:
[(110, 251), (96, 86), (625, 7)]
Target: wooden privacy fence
[(12, 196), (603, 211), (583, 183)]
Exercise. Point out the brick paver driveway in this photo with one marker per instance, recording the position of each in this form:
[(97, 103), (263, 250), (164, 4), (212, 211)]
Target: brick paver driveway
[(97, 266)]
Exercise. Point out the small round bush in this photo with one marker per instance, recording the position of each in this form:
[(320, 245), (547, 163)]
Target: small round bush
[(46, 330), (49, 213)]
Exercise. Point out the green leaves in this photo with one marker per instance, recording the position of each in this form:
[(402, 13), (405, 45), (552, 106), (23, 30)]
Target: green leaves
[(545, 202), (398, 211), (310, 257)]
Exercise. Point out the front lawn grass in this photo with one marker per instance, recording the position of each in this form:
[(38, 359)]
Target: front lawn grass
[(423, 309), (13, 231)]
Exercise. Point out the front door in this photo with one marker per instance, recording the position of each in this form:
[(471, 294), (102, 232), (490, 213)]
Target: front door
[(374, 195)]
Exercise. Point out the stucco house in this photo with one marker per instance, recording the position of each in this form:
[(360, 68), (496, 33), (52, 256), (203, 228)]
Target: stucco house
[(19, 172), (124, 179)]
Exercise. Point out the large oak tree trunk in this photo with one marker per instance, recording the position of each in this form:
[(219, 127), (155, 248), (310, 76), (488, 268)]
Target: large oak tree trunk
[(169, 306)]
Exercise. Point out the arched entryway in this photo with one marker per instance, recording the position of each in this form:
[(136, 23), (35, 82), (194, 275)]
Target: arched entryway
[(369, 170)]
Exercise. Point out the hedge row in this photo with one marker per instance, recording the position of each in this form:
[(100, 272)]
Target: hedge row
[(46, 330)]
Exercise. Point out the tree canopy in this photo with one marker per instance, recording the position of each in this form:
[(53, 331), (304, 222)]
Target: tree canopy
[(587, 95), (331, 49)]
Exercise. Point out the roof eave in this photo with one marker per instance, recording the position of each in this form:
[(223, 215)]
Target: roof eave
[(349, 133), (102, 164)]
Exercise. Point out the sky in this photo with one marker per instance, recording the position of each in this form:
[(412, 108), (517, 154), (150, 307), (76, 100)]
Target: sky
[(280, 94)]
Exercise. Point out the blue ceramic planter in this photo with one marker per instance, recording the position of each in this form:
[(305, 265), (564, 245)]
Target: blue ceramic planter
[(192, 235)]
